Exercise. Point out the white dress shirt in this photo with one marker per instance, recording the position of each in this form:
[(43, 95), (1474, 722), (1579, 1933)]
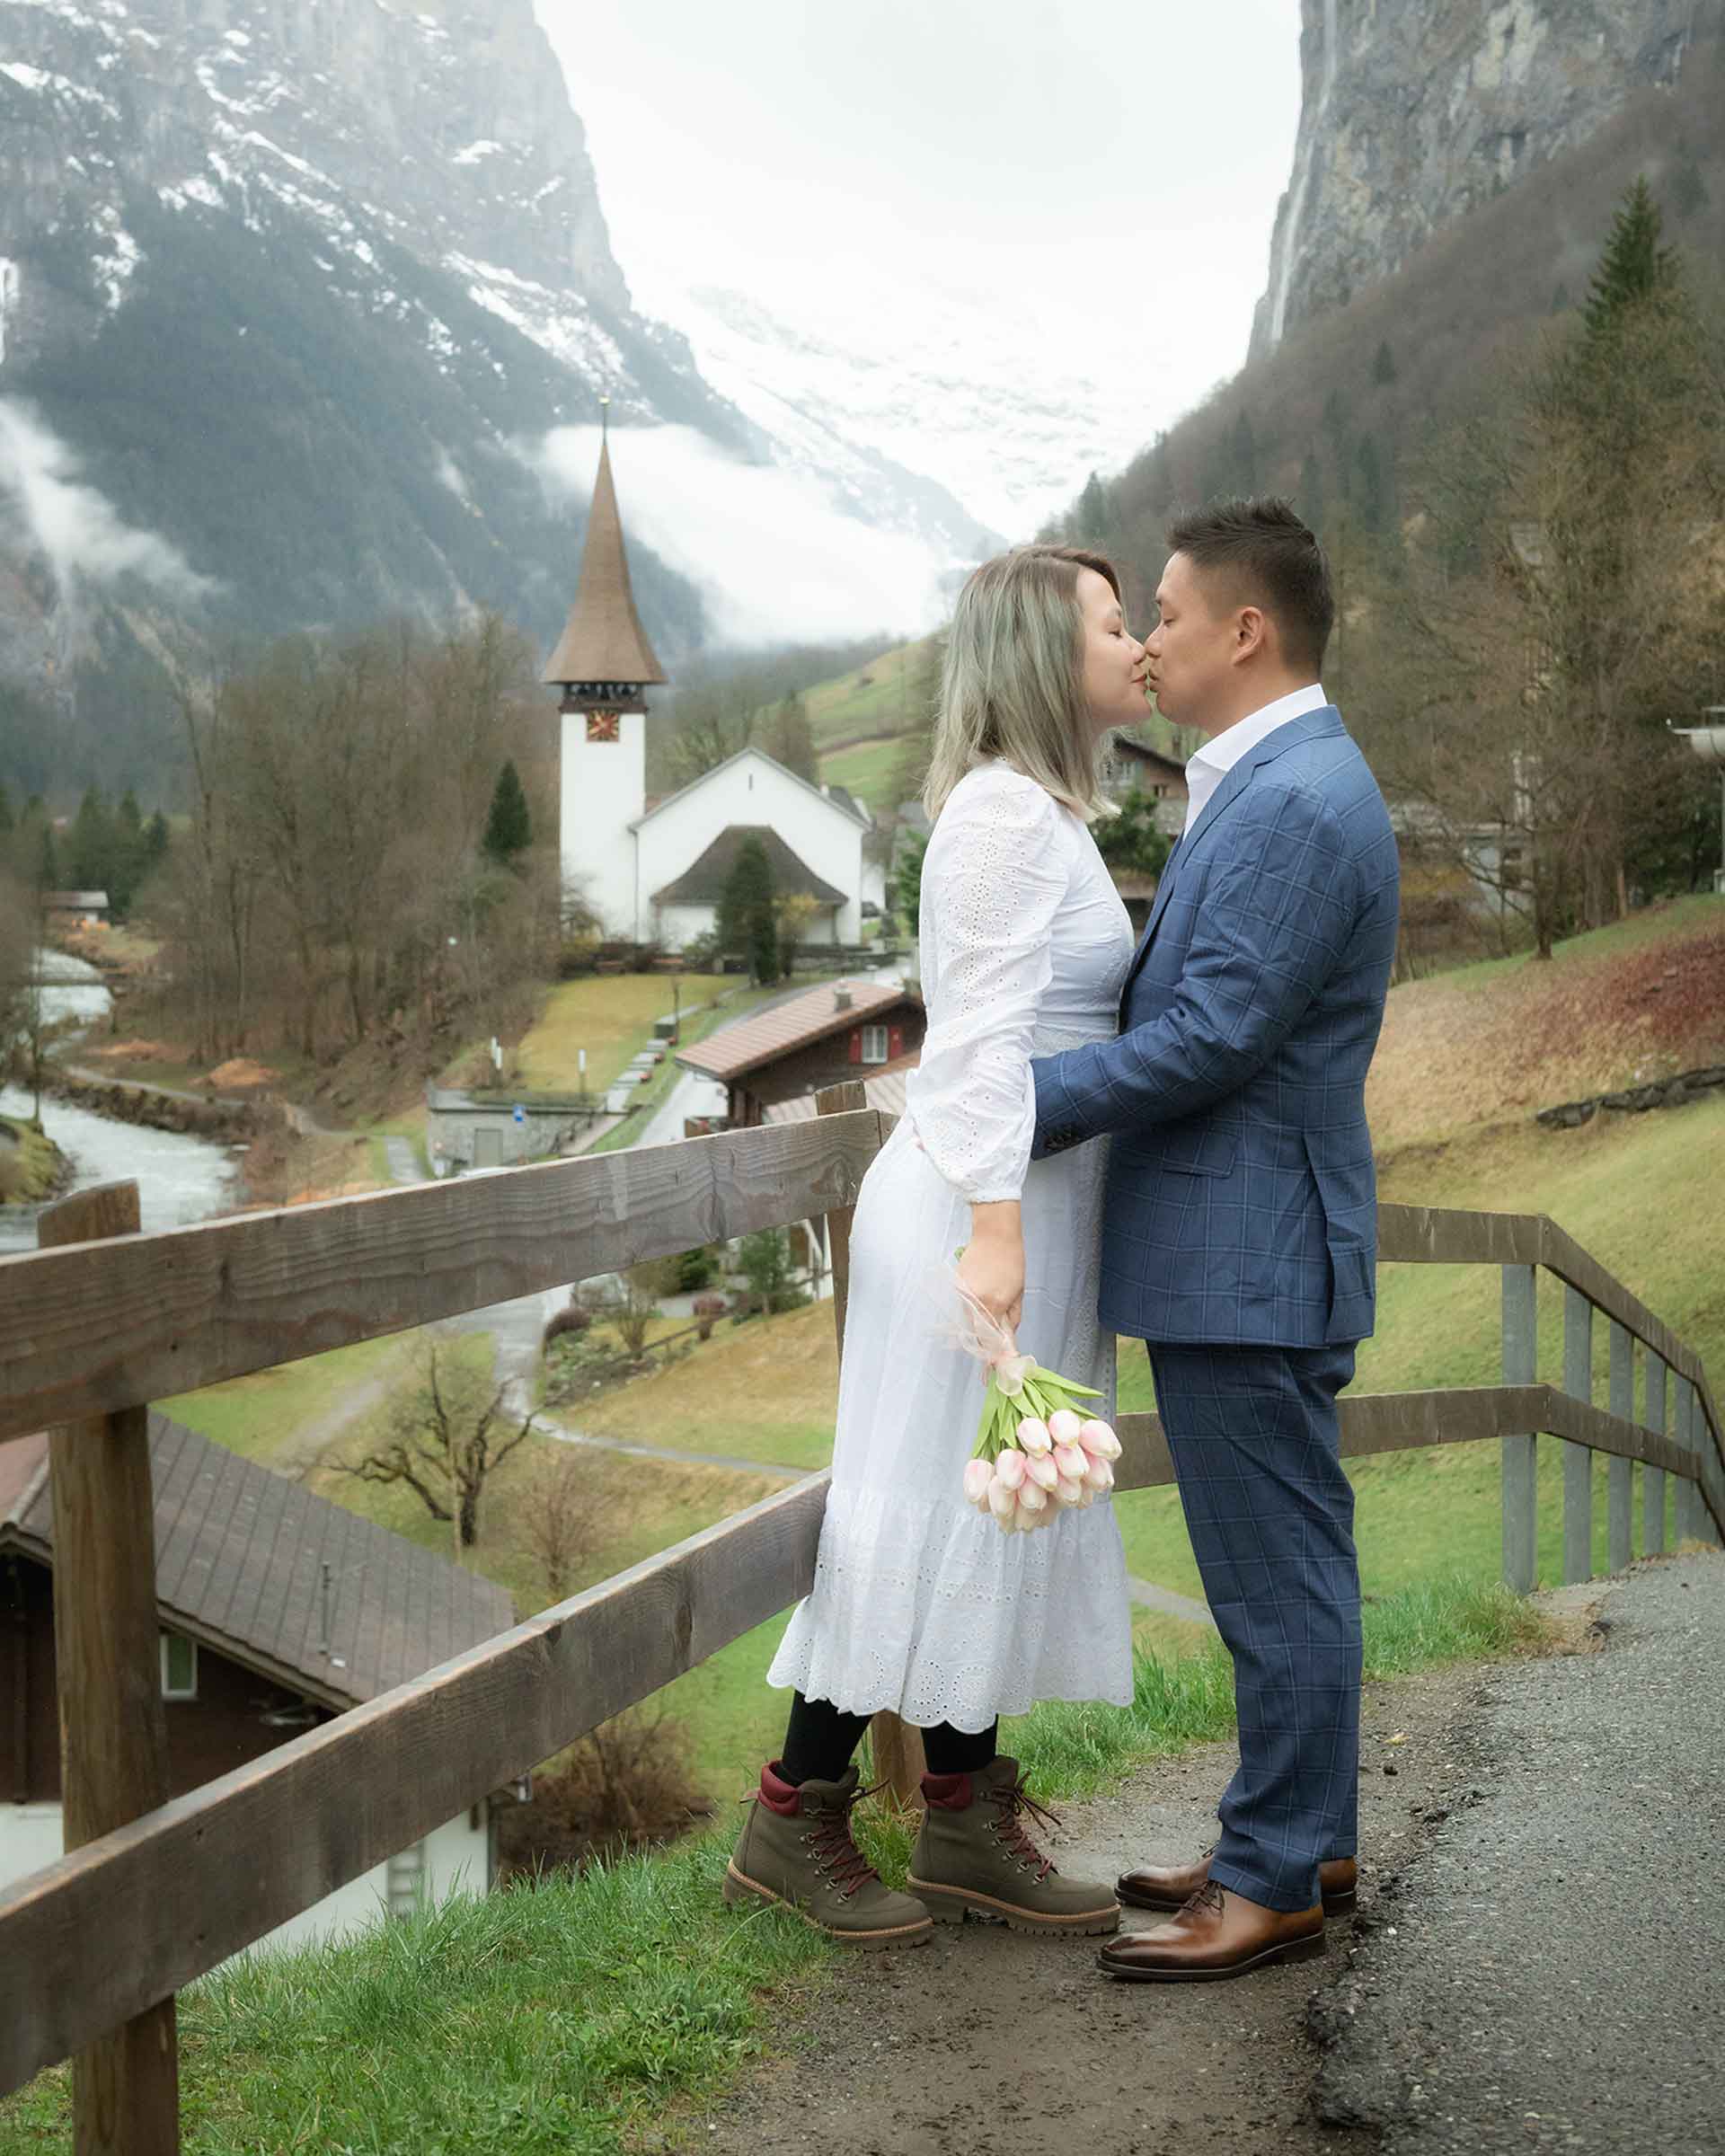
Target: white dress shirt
[(1206, 769)]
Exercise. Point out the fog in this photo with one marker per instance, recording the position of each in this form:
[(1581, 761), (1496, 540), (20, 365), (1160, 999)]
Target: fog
[(78, 530), (776, 559)]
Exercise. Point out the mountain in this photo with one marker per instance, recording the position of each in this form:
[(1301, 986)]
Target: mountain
[(868, 366), (1409, 329), (306, 307), (1416, 111)]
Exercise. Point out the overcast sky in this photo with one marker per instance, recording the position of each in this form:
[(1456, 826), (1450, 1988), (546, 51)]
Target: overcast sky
[(1109, 173)]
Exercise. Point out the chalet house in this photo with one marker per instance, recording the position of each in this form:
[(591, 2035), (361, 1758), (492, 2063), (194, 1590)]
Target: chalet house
[(883, 1090), (1136, 766), (800, 1043), (278, 1611)]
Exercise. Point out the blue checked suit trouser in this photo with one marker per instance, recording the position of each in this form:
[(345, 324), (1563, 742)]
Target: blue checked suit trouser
[(1254, 1437)]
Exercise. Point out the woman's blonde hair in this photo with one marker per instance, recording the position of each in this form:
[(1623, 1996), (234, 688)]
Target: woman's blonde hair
[(1012, 683)]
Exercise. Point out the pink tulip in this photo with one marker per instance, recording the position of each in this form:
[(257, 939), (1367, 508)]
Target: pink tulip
[(1002, 1502), (1009, 1468), (1072, 1459), (1070, 1490), (1033, 1435), (1040, 1470), (1032, 1497), (977, 1475), (1098, 1441), (1099, 1475), (1064, 1425)]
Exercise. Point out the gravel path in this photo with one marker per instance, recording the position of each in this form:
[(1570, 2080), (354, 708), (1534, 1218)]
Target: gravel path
[(1553, 1977), (929, 2053)]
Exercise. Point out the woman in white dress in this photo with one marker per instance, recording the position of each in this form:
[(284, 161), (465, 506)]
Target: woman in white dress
[(919, 1604)]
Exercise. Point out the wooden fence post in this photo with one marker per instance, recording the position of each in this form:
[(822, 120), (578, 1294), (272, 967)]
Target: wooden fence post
[(898, 1758), (1578, 1460), (1520, 1453), (1620, 1473), (113, 1733), (1691, 1507), (1653, 1478)]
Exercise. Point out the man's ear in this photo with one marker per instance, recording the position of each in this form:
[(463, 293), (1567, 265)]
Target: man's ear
[(1251, 628)]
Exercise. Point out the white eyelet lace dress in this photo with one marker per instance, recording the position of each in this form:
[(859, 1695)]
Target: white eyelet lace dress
[(918, 1604)]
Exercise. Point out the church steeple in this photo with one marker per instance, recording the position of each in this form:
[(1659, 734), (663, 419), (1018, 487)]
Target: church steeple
[(603, 656)]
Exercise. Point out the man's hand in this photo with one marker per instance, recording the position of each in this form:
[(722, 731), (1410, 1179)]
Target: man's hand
[(992, 1267)]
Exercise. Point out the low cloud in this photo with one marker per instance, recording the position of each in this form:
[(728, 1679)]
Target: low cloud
[(777, 559), (79, 530)]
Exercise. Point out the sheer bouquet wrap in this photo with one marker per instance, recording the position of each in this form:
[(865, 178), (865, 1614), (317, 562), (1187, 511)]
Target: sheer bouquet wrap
[(1037, 1452)]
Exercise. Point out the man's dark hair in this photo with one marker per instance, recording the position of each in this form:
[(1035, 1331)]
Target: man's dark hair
[(1269, 560)]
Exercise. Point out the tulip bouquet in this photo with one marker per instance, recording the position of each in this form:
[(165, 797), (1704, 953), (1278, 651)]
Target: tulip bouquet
[(1037, 1452)]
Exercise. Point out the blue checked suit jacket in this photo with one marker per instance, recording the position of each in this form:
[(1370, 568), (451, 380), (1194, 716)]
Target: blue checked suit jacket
[(1242, 1204)]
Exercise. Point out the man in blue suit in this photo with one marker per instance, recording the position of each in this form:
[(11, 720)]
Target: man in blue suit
[(1240, 1227)]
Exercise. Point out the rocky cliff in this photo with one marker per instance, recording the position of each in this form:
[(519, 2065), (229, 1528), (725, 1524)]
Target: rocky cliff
[(1415, 111)]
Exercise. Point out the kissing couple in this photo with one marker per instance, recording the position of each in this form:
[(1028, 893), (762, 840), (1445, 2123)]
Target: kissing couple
[(1167, 1142)]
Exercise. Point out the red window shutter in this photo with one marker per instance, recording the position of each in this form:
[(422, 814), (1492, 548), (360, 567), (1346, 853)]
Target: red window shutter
[(856, 1044), (895, 1042)]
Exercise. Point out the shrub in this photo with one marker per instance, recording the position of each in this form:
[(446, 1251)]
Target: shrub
[(693, 1271), (708, 1309), (627, 1786), (764, 1258), (571, 1317)]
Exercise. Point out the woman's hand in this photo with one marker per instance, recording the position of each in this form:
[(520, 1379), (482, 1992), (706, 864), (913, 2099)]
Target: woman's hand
[(992, 1267)]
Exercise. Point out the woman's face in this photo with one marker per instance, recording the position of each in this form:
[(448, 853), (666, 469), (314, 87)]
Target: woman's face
[(1113, 658)]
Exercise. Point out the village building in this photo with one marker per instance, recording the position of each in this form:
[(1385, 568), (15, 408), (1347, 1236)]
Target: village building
[(1133, 766), (842, 1029), (654, 871), (278, 1611)]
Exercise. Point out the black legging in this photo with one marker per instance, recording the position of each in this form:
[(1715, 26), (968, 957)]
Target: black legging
[(821, 1739)]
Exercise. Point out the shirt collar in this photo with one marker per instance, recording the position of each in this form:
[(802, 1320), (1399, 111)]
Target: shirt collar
[(1223, 751)]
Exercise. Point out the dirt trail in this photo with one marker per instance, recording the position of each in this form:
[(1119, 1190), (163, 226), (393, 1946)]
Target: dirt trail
[(925, 2054)]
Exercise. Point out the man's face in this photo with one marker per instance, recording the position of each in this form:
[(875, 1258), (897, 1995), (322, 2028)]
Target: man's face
[(1191, 651)]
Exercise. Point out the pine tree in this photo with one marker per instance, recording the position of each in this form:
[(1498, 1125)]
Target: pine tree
[(746, 920), (1371, 492), (156, 839), (1384, 364), (6, 816), (1092, 519), (1634, 265), (789, 739), (509, 829), (1243, 455), (90, 855), (1310, 489)]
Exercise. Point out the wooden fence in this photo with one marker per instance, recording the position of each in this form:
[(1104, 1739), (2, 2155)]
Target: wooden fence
[(94, 1948)]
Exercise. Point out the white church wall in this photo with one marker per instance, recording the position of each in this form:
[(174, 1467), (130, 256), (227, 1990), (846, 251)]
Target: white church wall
[(678, 925), (753, 790), (603, 791)]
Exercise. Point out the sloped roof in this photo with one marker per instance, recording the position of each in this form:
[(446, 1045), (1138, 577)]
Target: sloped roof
[(847, 807), (705, 877), (883, 1088), (793, 1023), (1169, 771), (603, 639), (240, 1554)]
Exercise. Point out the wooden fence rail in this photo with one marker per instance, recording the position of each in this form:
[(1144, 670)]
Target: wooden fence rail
[(122, 1923)]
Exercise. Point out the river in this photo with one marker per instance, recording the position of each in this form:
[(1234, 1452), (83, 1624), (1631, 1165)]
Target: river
[(179, 1179)]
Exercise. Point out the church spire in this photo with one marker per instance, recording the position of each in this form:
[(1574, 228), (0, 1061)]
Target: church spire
[(603, 656)]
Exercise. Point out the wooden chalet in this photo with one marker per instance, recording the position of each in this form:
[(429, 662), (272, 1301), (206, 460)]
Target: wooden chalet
[(278, 1611), (802, 1042)]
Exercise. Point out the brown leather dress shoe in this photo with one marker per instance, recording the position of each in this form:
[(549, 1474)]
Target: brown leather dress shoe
[(1217, 1935), (1173, 1887)]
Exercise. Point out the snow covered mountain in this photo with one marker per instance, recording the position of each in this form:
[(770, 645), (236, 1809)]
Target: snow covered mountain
[(306, 307)]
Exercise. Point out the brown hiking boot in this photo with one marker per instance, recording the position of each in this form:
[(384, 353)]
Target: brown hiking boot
[(1172, 1887), (974, 1855), (796, 1849)]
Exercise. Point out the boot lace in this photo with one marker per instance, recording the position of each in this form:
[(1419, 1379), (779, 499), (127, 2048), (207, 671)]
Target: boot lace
[(1209, 1897), (836, 1851), (1014, 1800)]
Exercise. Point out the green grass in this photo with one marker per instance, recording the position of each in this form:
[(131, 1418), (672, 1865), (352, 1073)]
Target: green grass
[(1651, 924), (263, 1415), (868, 769), (30, 1163), (570, 2017)]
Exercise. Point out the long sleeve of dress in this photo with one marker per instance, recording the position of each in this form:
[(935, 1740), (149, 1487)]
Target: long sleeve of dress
[(995, 875)]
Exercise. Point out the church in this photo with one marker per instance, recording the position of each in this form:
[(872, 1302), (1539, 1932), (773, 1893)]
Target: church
[(654, 870)]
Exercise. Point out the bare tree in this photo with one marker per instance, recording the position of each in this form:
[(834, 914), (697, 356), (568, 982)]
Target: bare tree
[(559, 1525), (445, 1438)]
